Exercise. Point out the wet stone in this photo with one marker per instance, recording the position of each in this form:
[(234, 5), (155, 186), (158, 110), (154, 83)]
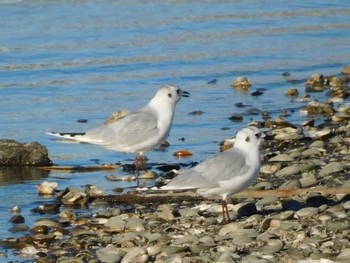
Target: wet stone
[(246, 209), (292, 205), (17, 219), (317, 201)]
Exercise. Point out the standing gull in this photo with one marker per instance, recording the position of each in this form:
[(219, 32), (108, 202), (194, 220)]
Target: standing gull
[(225, 173), (136, 132)]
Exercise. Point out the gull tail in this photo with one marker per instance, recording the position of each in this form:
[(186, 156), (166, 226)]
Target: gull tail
[(78, 136)]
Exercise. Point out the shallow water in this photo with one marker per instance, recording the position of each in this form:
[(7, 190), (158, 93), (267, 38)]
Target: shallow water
[(63, 61)]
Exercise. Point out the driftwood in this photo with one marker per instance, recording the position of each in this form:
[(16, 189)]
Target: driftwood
[(80, 168), (148, 197)]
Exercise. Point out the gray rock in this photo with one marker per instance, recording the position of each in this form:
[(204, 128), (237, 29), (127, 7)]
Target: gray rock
[(117, 223), (110, 254), (345, 254), (332, 167), (308, 180), (136, 254), (273, 246), (282, 158), (307, 212), (291, 184), (311, 152), (289, 170), (27, 154)]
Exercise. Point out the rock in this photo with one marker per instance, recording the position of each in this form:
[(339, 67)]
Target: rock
[(241, 84), (26, 154), (332, 167), (117, 223), (47, 188), (308, 180), (273, 246), (307, 212), (291, 92), (17, 219), (345, 254), (110, 254), (291, 184), (289, 170), (281, 158), (318, 108)]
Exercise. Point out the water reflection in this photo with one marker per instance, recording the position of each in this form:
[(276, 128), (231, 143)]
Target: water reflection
[(17, 174)]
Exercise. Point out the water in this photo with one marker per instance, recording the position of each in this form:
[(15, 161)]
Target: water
[(61, 61)]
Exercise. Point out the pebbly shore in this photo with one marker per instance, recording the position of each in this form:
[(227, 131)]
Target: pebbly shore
[(298, 210)]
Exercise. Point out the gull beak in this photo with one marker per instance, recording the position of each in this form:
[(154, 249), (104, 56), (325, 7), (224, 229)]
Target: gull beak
[(184, 93)]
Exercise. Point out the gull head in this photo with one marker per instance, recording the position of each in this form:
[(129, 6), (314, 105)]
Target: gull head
[(171, 93), (249, 137)]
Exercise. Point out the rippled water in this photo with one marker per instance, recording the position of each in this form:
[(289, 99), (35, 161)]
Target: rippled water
[(62, 61)]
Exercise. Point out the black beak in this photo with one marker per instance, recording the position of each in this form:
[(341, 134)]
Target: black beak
[(184, 93)]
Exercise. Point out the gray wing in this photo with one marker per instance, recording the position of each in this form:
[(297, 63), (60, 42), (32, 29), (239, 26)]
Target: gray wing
[(207, 174), (130, 130)]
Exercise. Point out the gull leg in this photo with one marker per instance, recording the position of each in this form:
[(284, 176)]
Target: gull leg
[(137, 168), (225, 213)]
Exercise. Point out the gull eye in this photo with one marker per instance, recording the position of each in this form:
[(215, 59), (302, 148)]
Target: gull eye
[(169, 95), (247, 139), (257, 135)]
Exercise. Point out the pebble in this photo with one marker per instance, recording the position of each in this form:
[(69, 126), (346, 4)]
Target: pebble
[(282, 158), (307, 212), (331, 167), (288, 171), (47, 188)]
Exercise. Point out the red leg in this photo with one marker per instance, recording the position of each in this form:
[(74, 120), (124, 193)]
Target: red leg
[(136, 162), (225, 213)]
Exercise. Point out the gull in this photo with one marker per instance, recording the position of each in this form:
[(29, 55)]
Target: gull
[(225, 173), (135, 132)]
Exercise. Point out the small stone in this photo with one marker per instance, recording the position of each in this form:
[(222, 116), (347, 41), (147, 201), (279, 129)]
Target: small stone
[(317, 201), (288, 171), (268, 200), (231, 227), (17, 219), (19, 228), (344, 254), (307, 212), (273, 246), (153, 250), (236, 118), (245, 209), (171, 250), (291, 184), (292, 205), (149, 175), (47, 188), (110, 254), (281, 158), (117, 223), (308, 180), (242, 83), (291, 92), (165, 212), (311, 152), (135, 224), (332, 167)]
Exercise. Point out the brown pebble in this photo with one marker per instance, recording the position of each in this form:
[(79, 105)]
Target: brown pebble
[(182, 153)]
